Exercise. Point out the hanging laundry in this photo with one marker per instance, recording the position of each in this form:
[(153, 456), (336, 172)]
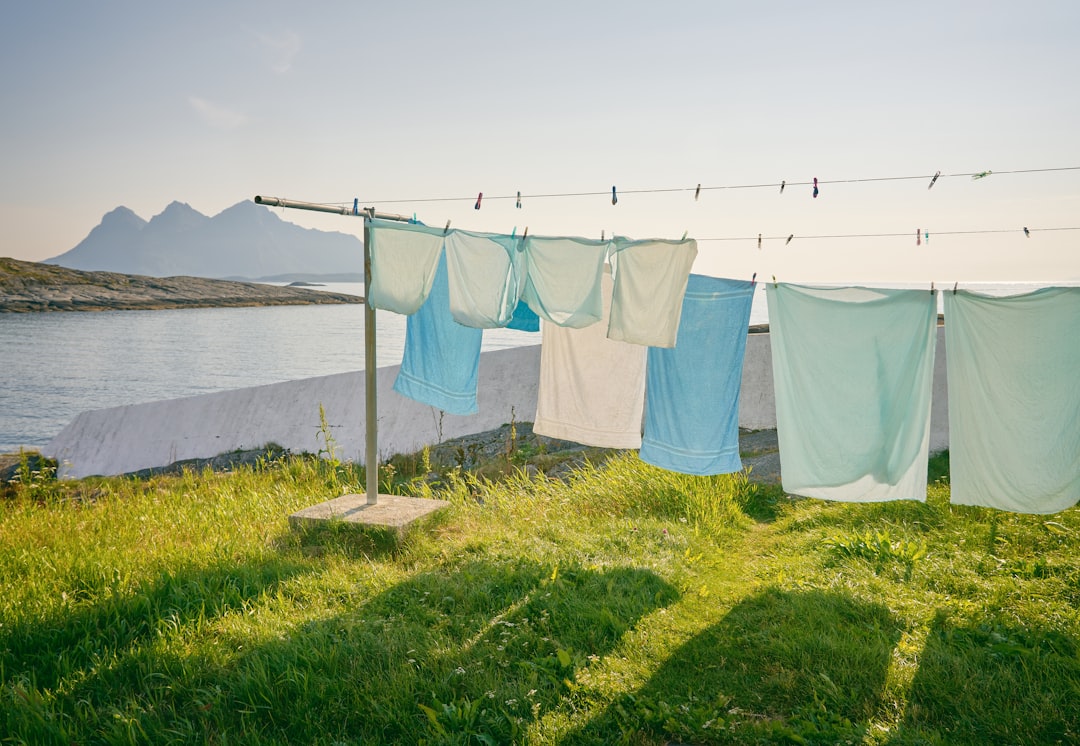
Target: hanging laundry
[(853, 371), (403, 259), (486, 272), (692, 390), (591, 389), (441, 362), (1014, 399), (525, 319), (562, 282), (650, 280)]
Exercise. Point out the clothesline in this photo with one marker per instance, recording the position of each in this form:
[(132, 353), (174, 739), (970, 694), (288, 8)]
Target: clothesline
[(696, 190)]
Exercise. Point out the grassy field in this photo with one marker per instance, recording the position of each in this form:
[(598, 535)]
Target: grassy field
[(624, 604)]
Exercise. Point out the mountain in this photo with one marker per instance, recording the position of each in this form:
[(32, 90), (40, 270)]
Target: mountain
[(245, 240)]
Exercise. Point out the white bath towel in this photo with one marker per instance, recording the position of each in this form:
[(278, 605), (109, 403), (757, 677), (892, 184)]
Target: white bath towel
[(592, 389)]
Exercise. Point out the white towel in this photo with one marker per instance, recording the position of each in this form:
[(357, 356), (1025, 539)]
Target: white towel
[(486, 272), (562, 283), (404, 257), (592, 389), (650, 282)]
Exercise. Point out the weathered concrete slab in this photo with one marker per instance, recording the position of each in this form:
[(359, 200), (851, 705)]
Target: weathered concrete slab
[(391, 511)]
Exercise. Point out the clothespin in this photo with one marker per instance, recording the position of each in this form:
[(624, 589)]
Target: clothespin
[(789, 239), (934, 180), (815, 188), (783, 183), (414, 220), (697, 192), (518, 205), (759, 241), (479, 197), (447, 228), (931, 287), (981, 175), (684, 234), (774, 282), (614, 197), (356, 206), (525, 234), (601, 235), (513, 233), (954, 287), (753, 279), (926, 237), (1027, 233), (918, 237)]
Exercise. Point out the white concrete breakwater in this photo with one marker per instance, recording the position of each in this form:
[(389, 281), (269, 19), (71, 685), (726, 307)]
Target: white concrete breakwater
[(140, 436)]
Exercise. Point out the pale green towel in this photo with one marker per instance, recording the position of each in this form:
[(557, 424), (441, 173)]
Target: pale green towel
[(1014, 399), (853, 370)]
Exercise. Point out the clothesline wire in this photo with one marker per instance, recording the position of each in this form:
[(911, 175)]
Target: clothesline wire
[(704, 188), (906, 234)]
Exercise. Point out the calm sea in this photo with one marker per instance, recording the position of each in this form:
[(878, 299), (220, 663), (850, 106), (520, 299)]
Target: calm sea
[(55, 365)]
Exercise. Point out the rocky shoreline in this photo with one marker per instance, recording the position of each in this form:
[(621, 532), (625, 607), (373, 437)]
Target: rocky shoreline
[(34, 287)]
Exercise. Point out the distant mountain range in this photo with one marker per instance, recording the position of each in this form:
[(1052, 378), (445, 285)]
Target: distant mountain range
[(244, 241)]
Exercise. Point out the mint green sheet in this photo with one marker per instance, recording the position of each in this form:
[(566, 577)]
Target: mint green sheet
[(1014, 399), (853, 371)]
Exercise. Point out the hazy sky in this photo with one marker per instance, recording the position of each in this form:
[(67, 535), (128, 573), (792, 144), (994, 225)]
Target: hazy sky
[(210, 103)]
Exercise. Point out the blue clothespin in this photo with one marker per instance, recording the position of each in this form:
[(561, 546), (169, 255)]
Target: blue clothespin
[(815, 188), (614, 197), (926, 237), (518, 205), (513, 232), (356, 206)]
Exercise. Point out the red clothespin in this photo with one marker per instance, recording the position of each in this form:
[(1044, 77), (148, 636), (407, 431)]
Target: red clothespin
[(479, 197), (753, 279), (918, 236), (759, 241)]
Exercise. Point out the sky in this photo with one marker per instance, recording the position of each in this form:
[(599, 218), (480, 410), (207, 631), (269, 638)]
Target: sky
[(210, 103)]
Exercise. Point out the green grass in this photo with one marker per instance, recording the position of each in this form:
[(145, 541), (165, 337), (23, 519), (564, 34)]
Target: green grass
[(624, 605)]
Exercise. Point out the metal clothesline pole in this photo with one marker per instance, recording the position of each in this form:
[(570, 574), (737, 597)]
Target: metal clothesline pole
[(371, 435)]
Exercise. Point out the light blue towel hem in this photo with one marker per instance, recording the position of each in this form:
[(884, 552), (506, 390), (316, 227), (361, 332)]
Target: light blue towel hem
[(426, 393), (698, 463)]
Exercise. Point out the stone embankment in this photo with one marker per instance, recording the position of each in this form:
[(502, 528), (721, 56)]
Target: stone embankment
[(30, 286)]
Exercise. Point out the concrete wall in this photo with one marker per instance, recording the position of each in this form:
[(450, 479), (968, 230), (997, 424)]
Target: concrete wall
[(139, 436)]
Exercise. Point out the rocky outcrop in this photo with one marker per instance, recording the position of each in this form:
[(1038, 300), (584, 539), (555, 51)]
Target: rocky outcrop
[(30, 286)]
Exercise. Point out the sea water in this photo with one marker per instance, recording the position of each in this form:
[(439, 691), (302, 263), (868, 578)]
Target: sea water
[(55, 365)]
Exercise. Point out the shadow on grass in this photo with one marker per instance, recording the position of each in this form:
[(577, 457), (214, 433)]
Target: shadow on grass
[(470, 653), (994, 683), (101, 622), (798, 667)]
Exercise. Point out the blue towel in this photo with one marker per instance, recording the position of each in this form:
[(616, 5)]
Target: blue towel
[(442, 357), (525, 319), (692, 389)]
